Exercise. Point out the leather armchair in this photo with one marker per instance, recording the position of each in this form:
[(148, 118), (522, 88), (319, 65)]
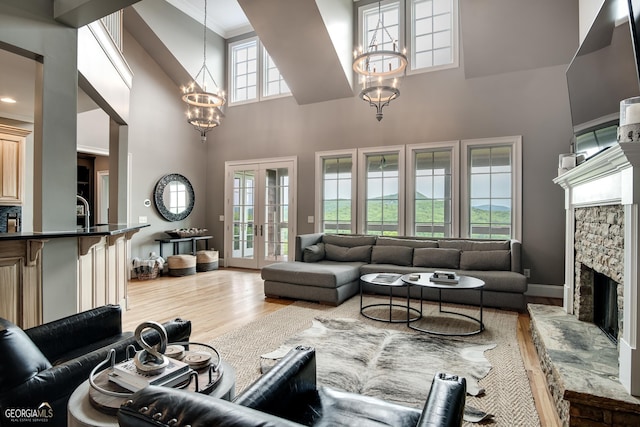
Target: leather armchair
[(287, 395), (45, 364)]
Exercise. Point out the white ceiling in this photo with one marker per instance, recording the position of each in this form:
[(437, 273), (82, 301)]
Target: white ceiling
[(17, 81), (225, 17)]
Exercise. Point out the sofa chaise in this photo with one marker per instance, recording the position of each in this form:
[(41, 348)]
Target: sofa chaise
[(327, 267)]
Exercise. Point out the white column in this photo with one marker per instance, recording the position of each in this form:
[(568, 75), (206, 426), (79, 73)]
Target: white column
[(629, 372), (569, 269)]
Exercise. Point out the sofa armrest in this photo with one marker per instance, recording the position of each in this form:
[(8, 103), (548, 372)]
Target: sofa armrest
[(516, 256), (304, 240), (59, 337), (445, 404), (156, 406), (61, 380), (293, 375)]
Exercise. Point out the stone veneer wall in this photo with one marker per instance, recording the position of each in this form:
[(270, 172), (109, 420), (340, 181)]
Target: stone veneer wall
[(599, 245)]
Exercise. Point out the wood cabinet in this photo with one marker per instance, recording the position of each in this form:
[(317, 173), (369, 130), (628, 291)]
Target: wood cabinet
[(12, 146), (21, 282)]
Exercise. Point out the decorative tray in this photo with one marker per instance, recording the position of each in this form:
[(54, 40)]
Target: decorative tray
[(180, 233)]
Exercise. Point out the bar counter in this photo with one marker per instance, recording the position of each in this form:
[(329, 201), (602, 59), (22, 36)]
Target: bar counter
[(46, 275), (98, 230)]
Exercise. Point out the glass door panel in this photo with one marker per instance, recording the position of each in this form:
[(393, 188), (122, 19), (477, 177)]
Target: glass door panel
[(276, 209), (259, 202)]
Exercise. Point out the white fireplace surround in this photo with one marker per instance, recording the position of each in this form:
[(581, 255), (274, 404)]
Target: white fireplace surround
[(611, 177)]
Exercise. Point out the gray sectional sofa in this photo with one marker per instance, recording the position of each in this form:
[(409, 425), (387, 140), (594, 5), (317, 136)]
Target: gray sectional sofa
[(327, 267)]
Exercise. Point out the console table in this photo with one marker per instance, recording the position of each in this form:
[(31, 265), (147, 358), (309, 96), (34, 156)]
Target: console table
[(176, 243)]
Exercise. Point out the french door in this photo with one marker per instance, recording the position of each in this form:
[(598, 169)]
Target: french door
[(260, 212)]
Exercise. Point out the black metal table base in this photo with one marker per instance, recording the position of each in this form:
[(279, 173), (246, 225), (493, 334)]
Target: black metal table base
[(390, 305), (440, 310)]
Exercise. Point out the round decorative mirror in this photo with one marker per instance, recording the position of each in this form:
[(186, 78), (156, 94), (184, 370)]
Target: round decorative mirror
[(174, 197)]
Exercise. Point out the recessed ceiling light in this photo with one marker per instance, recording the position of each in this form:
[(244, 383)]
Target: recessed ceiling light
[(8, 100)]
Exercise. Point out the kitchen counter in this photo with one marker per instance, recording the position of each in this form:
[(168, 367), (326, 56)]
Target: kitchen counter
[(98, 230), (52, 274)]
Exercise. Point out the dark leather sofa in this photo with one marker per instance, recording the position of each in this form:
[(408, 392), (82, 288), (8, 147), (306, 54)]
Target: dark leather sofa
[(40, 367), (287, 395)]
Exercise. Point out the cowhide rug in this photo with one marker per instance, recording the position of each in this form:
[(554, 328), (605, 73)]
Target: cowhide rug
[(391, 365)]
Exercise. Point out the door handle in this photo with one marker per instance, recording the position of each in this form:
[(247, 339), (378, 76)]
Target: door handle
[(255, 231), (261, 231)]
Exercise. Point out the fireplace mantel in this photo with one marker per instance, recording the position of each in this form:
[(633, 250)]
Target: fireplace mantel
[(611, 177)]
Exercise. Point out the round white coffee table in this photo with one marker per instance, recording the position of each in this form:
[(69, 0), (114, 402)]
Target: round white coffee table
[(81, 413), (464, 283), (389, 281)]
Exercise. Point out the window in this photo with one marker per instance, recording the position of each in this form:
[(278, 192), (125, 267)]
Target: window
[(431, 30), (335, 173), (491, 194), (381, 182), (433, 34), (253, 77), (468, 188), (273, 84), (244, 70), (383, 40), (432, 209)]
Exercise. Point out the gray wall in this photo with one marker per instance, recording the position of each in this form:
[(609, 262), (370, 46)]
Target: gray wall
[(27, 28), (160, 142), (438, 106)]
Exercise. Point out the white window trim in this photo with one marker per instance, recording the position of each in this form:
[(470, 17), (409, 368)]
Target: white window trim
[(515, 142), (374, 5), (260, 73), (319, 187), (263, 77), (362, 183), (231, 64), (455, 34), (412, 149)]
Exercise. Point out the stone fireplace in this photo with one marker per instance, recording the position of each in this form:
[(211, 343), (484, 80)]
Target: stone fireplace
[(593, 380), (599, 264), (601, 202)]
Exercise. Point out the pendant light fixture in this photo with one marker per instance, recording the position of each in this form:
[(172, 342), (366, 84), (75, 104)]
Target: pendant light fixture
[(380, 67), (204, 97)]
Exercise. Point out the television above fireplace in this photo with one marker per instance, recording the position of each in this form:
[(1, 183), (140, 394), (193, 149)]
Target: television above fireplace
[(603, 72)]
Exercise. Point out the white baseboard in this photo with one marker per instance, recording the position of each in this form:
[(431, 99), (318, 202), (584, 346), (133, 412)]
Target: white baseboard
[(548, 291)]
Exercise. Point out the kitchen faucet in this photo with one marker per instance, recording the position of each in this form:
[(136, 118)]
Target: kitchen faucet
[(86, 210)]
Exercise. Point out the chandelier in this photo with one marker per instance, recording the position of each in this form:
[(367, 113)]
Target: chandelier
[(204, 101), (380, 68)]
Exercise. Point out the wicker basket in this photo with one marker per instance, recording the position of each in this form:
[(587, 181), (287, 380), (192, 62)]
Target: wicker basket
[(144, 274)]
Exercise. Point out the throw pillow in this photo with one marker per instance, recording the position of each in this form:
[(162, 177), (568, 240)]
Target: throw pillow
[(436, 258), (497, 245), (412, 243), (485, 260), (461, 244), (348, 241), (341, 253), (20, 358), (396, 255), (313, 253)]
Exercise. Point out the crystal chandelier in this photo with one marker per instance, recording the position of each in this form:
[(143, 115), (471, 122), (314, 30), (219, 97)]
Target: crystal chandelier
[(380, 68), (204, 101)]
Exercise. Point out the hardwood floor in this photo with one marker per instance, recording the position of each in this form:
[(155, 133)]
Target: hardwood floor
[(219, 301)]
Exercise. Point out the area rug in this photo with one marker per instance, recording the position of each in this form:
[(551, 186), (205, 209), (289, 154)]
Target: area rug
[(507, 391), (391, 365)]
